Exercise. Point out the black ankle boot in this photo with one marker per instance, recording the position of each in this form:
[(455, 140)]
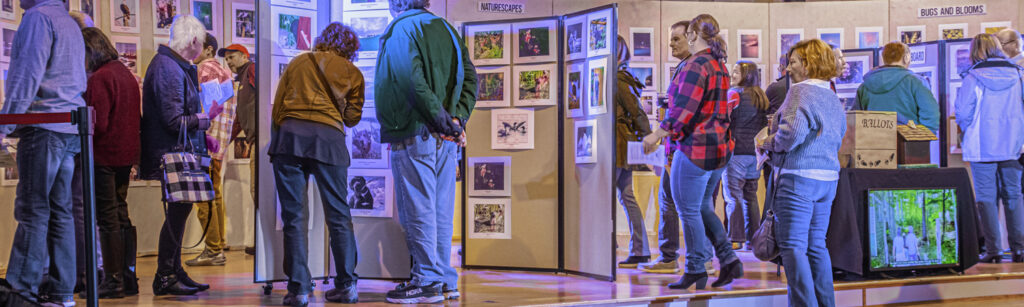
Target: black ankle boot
[(111, 287), (730, 271), (701, 279), (112, 246), (130, 281), (991, 258), (186, 280), (1018, 256), (169, 285)]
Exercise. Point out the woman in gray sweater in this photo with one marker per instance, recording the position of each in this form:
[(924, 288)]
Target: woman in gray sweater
[(808, 130)]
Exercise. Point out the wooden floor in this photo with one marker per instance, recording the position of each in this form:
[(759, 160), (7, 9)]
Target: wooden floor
[(232, 286)]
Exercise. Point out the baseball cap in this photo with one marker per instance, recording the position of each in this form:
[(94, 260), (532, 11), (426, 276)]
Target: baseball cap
[(233, 47)]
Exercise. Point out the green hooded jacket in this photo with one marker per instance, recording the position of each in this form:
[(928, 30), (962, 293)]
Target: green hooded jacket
[(894, 88), (414, 77)]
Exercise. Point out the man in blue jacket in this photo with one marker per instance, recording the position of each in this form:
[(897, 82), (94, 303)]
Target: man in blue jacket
[(425, 91)]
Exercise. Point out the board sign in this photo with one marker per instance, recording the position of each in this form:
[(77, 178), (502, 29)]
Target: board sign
[(504, 8), (951, 11)]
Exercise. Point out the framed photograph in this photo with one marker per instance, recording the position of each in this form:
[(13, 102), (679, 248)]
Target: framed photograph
[(7, 32), (360, 5), (369, 74), (87, 7), (597, 86), (369, 25), (929, 77), (124, 16), (911, 34), (853, 76), (492, 84), (242, 149), (364, 145), (491, 218), (959, 59), (649, 103), (163, 15), (576, 38), (598, 40), (7, 9), (371, 192), (243, 23), (646, 73), (489, 44), (127, 51), (291, 30), (10, 177), (536, 85), (209, 14), (574, 88), (787, 39), (832, 36), (749, 42), (491, 176), (994, 27), (670, 71), (869, 37), (951, 91), (641, 40), (953, 31), (586, 144), (535, 41), (848, 99), (302, 4), (278, 64), (512, 128)]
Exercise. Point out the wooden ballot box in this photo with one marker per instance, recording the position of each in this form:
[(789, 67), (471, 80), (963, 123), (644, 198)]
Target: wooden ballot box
[(870, 140)]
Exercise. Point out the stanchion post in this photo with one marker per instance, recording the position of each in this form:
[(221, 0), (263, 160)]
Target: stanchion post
[(83, 117)]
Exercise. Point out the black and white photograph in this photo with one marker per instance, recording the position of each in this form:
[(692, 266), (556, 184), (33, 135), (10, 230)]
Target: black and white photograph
[(490, 218), (586, 144), (163, 15), (853, 75), (576, 37), (641, 40), (535, 41), (575, 89), (124, 16), (512, 128), (489, 176), (243, 23), (371, 192), (364, 143)]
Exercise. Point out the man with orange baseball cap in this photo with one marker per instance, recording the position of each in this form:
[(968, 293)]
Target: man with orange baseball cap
[(237, 58)]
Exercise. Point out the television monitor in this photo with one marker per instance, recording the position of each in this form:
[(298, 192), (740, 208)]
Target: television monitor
[(913, 229)]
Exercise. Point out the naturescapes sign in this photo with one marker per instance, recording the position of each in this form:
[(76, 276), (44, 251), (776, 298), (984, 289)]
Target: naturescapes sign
[(950, 11), (505, 8)]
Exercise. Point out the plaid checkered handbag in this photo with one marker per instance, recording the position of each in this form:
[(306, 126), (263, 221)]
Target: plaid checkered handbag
[(185, 178)]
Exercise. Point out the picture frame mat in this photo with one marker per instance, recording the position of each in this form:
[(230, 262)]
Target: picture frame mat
[(217, 16), (582, 21), (632, 44), (581, 68), (606, 50), (879, 30), (553, 39), (389, 192), (506, 205), (506, 40), (593, 141), (739, 44), (235, 7), (385, 160), (156, 17), (115, 11), (470, 179), (552, 85), (530, 125), (506, 86), (275, 27)]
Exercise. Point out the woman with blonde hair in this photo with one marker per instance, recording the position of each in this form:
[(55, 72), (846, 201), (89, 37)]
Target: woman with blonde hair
[(749, 115)]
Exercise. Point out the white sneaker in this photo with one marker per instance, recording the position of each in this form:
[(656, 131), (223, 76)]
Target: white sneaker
[(660, 267), (710, 267)]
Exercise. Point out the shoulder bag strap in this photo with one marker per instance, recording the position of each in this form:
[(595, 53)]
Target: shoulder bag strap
[(327, 86)]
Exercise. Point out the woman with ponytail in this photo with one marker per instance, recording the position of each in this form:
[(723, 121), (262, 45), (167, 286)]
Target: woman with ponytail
[(749, 106), (699, 114)]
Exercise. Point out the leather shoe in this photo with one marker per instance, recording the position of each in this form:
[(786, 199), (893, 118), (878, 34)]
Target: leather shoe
[(1018, 256), (170, 285), (730, 272), (701, 279), (183, 277), (991, 258)]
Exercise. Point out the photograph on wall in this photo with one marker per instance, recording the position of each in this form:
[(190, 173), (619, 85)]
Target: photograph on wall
[(848, 99), (209, 14), (994, 27), (598, 40), (492, 218), (953, 88), (371, 192), (641, 41), (928, 76), (364, 144), (369, 74), (535, 41), (597, 86), (360, 5), (7, 32), (490, 176), (302, 4), (243, 22), (788, 38), (649, 103), (574, 89), (959, 59), (7, 9), (163, 15), (669, 72), (278, 64), (10, 177), (645, 73), (911, 34), (489, 44), (242, 149), (576, 37), (586, 144), (291, 30), (853, 75), (370, 26), (832, 36), (87, 7), (124, 16), (512, 128), (492, 84), (127, 51), (536, 85), (869, 37), (749, 44), (953, 31)]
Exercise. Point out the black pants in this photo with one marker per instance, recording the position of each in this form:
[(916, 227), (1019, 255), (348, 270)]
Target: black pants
[(171, 234), (111, 198)]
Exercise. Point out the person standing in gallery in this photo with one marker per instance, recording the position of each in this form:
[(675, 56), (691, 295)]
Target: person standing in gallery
[(425, 93), (170, 101), (804, 149), (893, 87), (991, 115), (46, 75), (115, 97), (1009, 39), (320, 93), (842, 68), (237, 58), (218, 137), (748, 117), (631, 125), (700, 115)]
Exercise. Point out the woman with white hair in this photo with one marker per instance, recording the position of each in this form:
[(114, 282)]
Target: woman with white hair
[(170, 96)]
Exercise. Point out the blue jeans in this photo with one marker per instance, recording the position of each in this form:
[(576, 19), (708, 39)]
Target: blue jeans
[(668, 231), (740, 193), (802, 208), (692, 189), (42, 207), (291, 175), (638, 245), (994, 181), (424, 168)]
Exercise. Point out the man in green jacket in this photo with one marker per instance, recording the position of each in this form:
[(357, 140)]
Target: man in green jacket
[(893, 87), (425, 91)]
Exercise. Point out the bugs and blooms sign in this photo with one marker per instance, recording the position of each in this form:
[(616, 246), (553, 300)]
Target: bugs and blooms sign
[(950, 11), (504, 8)]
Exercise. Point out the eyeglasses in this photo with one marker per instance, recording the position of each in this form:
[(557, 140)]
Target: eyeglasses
[(1002, 43)]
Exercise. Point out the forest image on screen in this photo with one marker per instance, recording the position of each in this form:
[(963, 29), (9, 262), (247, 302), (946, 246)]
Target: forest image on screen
[(912, 228)]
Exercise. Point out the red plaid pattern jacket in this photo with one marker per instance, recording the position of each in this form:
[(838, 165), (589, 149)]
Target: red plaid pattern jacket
[(699, 112)]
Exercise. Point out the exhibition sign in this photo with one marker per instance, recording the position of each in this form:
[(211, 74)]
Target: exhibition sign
[(951, 11)]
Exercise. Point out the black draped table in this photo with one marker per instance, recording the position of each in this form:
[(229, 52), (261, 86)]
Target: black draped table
[(848, 231)]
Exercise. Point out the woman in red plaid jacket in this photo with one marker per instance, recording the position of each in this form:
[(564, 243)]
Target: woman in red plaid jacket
[(699, 113)]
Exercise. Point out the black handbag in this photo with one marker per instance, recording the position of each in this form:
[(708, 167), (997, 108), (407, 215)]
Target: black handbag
[(765, 247)]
